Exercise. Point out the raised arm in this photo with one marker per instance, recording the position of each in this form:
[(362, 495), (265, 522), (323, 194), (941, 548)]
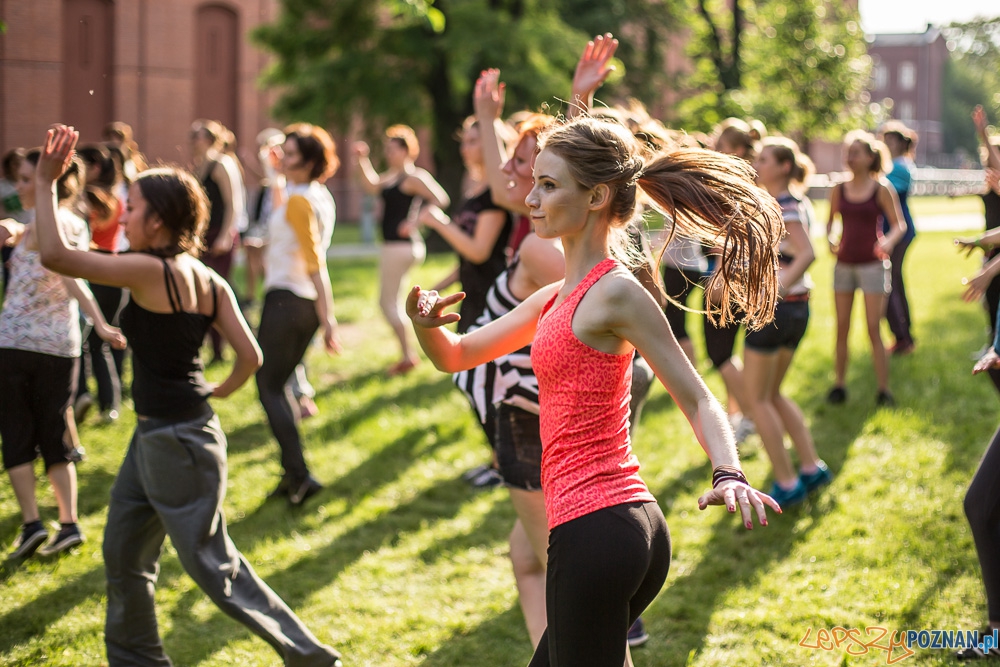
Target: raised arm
[(993, 153), (592, 71), (422, 185), (450, 352), (369, 177), (132, 270), (476, 248), (488, 99)]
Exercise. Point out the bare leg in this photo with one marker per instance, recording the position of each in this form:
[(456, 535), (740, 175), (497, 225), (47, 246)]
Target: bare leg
[(791, 416), (22, 478), (732, 375), (62, 476), (760, 376), (528, 553), (874, 308), (844, 302), (396, 261)]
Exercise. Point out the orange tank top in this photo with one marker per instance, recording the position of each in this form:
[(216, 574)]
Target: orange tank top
[(583, 395)]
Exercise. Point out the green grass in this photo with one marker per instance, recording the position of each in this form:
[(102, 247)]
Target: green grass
[(921, 207), (398, 562)]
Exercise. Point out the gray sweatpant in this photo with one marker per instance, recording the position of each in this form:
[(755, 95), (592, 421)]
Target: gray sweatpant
[(172, 482)]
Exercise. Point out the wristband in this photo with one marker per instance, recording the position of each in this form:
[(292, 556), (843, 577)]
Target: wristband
[(724, 473)]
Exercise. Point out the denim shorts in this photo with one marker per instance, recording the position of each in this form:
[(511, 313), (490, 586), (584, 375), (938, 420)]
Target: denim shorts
[(786, 331), (519, 448)]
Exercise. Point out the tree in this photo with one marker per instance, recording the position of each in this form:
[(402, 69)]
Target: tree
[(415, 62), (972, 77), (800, 67)]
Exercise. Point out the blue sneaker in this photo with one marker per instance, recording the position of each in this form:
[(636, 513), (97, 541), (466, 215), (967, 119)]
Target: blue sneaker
[(790, 497), (637, 635), (814, 480)]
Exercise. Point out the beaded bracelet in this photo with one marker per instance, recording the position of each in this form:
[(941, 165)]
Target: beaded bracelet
[(724, 473)]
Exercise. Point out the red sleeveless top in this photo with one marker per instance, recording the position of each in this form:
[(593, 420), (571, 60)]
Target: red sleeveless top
[(583, 396), (862, 228)]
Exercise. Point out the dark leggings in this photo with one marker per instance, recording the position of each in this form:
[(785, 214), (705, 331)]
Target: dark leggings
[(604, 569), (105, 362), (287, 325), (982, 507), (898, 308)]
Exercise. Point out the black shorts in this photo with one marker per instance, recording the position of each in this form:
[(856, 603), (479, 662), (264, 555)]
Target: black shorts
[(678, 284), (35, 391), (519, 448), (791, 318)]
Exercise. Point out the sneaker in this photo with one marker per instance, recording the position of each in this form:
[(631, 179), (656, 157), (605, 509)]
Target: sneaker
[(299, 493), (281, 491), (836, 396), (82, 406), (902, 348), (885, 399), (473, 473), (976, 653), (790, 497), (487, 479), (67, 538), (814, 480), (31, 537), (744, 429), (637, 635)]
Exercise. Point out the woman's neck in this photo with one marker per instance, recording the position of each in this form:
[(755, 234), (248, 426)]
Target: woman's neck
[(585, 249), (777, 189)]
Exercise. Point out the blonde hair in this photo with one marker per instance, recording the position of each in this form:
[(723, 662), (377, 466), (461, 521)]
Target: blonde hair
[(406, 137), (710, 197)]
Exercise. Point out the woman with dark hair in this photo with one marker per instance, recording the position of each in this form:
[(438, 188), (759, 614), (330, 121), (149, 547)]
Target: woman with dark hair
[(207, 143), (901, 142), (173, 479), (404, 189), (609, 549), (40, 342), (297, 299)]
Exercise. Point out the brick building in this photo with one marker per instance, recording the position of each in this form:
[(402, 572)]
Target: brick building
[(909, 69)]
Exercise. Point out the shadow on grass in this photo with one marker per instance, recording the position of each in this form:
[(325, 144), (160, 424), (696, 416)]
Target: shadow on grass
[(501, 635), (33, 619), (316, 569)]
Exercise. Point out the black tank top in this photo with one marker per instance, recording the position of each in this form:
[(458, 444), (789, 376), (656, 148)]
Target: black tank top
[(396, 206), (217, 208), (477, 279), (168, 377)]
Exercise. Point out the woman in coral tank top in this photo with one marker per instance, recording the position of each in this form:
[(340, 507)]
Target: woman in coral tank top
[(609, 548)]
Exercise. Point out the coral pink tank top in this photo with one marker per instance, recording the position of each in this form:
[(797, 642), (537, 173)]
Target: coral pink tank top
[(583, 394)]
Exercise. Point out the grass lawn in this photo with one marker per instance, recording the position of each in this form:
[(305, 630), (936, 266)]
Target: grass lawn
[(398, 562), (922, 207)]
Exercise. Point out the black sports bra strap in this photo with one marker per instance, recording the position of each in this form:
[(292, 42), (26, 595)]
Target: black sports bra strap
[(173, 293), (215, 298)]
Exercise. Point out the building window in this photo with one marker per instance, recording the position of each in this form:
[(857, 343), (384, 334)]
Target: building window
[(906, 112), (907, 76), (880, 74)]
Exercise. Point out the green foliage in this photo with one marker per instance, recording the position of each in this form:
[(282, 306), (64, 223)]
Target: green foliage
[(972, 77), (803, 69)]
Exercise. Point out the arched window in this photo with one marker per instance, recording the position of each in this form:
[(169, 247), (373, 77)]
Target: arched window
[(88, 66), (216, 64)]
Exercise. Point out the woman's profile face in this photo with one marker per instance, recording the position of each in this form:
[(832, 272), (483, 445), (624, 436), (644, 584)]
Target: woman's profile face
[(558, 204), (25, 184), (471, 147), (769, 169), (396, 154), (518, 168)]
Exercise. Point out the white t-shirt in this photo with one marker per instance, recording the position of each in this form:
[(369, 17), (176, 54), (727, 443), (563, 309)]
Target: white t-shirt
[(39, 315)]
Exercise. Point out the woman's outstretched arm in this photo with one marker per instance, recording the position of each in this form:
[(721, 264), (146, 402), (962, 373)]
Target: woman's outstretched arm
[(451, 352)]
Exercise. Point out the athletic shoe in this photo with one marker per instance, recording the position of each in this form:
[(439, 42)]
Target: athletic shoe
[(30, 538), (744, 430), (284, 484), (814, 480), (637, 635), (487, 479), (473, 473), (836, 396), (976, 653), (885, 399), (299, 493), (902, 348), (82, 406), (787, 498), (67, 538)]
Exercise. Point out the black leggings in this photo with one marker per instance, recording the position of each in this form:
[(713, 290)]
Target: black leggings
[(604, 569), (105, 362), (982, 507), (287, 325)]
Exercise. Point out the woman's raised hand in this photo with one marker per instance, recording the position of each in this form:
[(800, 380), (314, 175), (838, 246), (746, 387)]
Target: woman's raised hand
[(732, 493), (593, 68), (360, 149), (425, 309), (60, 142), (488, 96), (979, 120)]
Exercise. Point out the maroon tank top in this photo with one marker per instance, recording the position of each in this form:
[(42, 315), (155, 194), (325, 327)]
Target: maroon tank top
[(862, 228)]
